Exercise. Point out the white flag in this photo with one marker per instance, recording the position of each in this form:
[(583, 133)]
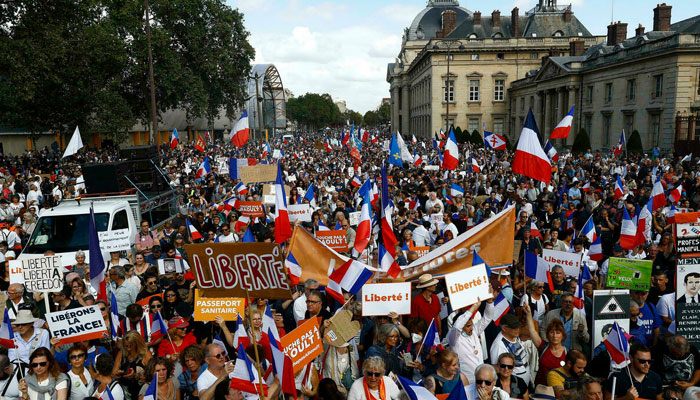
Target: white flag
[(75, 144)]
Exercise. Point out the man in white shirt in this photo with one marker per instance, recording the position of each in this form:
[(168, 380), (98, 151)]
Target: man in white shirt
[(433, 201), (217, 369), (508, 342), (27, 337), (464, 338), (421, 235), (300, 302), (447, 225)]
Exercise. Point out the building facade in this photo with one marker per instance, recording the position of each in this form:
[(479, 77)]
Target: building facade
[(647, 83), (455, 66)]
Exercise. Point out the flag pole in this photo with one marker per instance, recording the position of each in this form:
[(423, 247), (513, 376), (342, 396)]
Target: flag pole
[(255, 343), (423, 342), (19, 362), (613, 387)]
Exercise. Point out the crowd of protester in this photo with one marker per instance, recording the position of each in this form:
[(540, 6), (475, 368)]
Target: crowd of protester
[(541, 349)]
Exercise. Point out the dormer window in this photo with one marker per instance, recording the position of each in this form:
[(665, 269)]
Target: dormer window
[(558, 34), (473, 36)]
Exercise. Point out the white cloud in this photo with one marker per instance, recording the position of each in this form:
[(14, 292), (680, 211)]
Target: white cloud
[(401, 13)]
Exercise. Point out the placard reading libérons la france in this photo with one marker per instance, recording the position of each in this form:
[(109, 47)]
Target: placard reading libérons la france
[(77, 324)]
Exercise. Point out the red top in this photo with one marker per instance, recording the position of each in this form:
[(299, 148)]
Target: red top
[(548, 362), (167, 348), (420, 308)]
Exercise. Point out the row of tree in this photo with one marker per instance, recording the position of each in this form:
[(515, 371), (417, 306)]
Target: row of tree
[(316, 111), (67, 63)]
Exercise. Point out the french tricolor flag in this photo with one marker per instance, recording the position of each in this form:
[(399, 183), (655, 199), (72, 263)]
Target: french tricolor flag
[(456, 190), (6, 334), (114, 318), (245, 376), (283, 365), (194, 233), (416, 391), (657, 194), (414, 204), (356, 182), (561, 131), (620, 145), (589, 230), (530, 160), (283, 229), (240, 336), (204, 168), (450, 160), (349, 277), (230, 203), (538, 269), (241, 222), (534, 231), (595, 253), (617, 345), (97, 263), (159, 328), (432, 338), (570, 220), (672, 214), (500, 308), (628, 231), (551, 151), (293, 268), (174, 139), (241, 188), (676, 194), (618, 188), (587, 186), (417, 159), (475, 166), (363, 233), (327, 145), (387, 262), (388, 237)]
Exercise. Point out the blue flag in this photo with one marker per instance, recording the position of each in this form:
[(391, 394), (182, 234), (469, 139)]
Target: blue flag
[(395, 153), (248, 236), (476, 260)]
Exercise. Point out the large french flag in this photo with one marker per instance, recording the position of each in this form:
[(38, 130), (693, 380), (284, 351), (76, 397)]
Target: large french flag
[(7, 336), (450, 160), (245, 376), (114, 318), (387, 262), (530, 160), (456, 190), (538, 269), (204, 168), (657, 194), (235, 164), (283, 229), (240, 336), (363, 232), (416, 391), (386, 224), (174, 139), (561, 131), (350, 277), (293, 268), (620, 144), (588, 230), (595, 252), (676, 194), (97, 263), (618, 188), (241, 130), (283, 366), (628, 231), (500, 308), (644, 220), (617, 345), (194, 233)]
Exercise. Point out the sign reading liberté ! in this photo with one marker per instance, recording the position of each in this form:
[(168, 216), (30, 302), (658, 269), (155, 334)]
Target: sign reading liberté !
[(77, 324), (625, 273), (336, 239), (208, 308), (468, 286), (38, 274), (383, 298), (303, 344), (571, 262), (251, 209), (114, 240), (239, 270), (299, 212)]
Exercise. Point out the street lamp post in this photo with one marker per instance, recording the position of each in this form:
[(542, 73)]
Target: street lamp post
[(450, 44)]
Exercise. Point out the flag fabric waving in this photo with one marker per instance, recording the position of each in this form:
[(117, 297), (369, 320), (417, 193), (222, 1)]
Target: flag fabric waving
[(538, 269), (75, 144), (551, 151), (618, 188), (387, 262), (241, 130), (500, 308), (97, 262), (174, 139), (200, 144), (530, 159), (416, 391), (293, 268), (620, 145), (395, 153), (152, 390), (7, 336), (494, 141), (363, 233), (676, 194), (617, 345), (245, 376), (349, 277), (561, 131), (283, 229), (204, 168), (432, 338), (450, 159), (194, 233), (628, 231)]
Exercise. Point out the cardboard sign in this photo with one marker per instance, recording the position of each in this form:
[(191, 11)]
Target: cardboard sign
[(609, 306), (319, 145), (335, 239), (144, 302), (114, 240), (303, 344), (299, 212), (436, 218), (269, 199), (77, 324), (468, 286), (208, 308), (383, 298), (269, 189), (251, 209), (42, 274), (571, 262), (341, 328), (421, 250), (354, 218), (625, 273), (258, 173), (239, 269)]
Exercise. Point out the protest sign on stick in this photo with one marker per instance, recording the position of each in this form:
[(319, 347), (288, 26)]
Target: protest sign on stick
[(303, 344), (468, 286), (77, 324), (383, 298), (41, 274)]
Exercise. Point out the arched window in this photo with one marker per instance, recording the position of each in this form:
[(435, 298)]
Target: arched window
[(472, 36), (558, 34)]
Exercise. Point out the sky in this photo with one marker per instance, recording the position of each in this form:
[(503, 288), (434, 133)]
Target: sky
[(342, 47)]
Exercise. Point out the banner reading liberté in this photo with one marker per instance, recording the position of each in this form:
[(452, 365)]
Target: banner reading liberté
[(38, 274), (468, 286), (208, 308), (239, 270), (384, 298), (303, 344), (77, 324), (570, 262)]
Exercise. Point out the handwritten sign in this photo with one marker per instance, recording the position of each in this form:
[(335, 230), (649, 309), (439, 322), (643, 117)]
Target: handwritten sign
[(335, 239), (299, 212), (258, 173), (303, 344), (468, 286), (270, 189), (77, 324), (251, 209), (354, 218), (114, 240), (436, 218), (239, 269), (208, 308), (42, 274), (383, 298), (624, 273), (571, 262)]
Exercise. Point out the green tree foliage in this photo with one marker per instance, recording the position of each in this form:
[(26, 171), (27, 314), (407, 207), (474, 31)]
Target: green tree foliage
[(582, 142), (85, 63), (314, 111), (371, 118), (476, 138), (353, 116), (384, 113), (634, 144)]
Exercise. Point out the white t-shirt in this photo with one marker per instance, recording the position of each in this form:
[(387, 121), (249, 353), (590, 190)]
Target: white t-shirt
[(666, 306), (205, 380), (115, 389), (357, 390), (522, 367), (300, 308), (46, 396), (538, 314), (79, 390)]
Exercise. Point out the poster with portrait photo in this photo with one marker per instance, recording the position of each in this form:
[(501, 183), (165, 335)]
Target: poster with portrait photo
[(688, 299), (168, 266)]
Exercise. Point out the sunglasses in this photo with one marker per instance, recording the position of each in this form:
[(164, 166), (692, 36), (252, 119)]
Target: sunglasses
[(39, 364), (312, 302), (102, 308), (218, 356), (505, 366), (170, 295), (643, 361), (156, 306), (374, 374), (484, 381), (75, 356)]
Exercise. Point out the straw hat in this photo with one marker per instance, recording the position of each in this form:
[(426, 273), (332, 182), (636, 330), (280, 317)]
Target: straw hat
[(426, 280), (543, 392), (24, 317)]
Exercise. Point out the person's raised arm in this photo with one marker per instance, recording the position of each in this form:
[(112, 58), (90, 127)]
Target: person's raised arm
[(534, 334)]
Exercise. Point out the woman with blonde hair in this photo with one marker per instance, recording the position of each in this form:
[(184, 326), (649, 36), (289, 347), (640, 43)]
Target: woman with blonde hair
[(130, 362), (373, 384), (447, 375)]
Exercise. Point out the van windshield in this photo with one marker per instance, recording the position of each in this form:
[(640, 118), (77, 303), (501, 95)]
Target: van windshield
[(64, 233)]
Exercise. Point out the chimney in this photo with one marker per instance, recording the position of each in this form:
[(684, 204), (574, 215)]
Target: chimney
[(617, 32), (449, 22), (496, 18), (639, 31), (477, 17), (662, 17), (567, 15), (576, 47), (514, 19)]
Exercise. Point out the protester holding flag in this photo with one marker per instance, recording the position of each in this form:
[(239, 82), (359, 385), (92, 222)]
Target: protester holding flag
[(646, 384), (180, 339), (374, 384), (44, 376), (167, 387)]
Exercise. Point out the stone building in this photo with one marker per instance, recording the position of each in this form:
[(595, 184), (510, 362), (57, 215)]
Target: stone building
[(647, 83), (455, 65)]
